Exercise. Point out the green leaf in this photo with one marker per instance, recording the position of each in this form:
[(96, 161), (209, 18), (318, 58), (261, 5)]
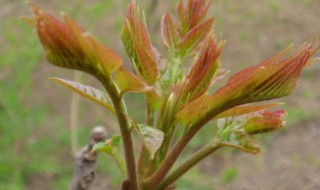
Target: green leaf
[(116, 140), (151, 137), (111, 147), (103, 147), (154, 99), (240, 140), (87, 92), (128, 82)]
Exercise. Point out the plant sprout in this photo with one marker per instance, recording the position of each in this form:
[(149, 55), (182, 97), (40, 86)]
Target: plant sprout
[(174, 98)]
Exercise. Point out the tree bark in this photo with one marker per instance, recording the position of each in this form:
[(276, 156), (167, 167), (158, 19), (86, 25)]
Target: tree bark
[(85, 161)]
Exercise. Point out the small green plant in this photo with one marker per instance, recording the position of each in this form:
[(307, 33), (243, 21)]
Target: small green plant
[(176, 96)]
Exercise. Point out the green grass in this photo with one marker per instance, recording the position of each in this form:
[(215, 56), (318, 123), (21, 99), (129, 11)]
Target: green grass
[(30, 136), (229, 174)]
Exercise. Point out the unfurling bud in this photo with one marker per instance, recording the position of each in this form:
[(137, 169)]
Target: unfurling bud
[(67, 45), (264, 122)]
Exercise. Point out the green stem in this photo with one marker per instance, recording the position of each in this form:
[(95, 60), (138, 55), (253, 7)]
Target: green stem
[(120, 162), (121, 113), (143, 157), (175, 70), (168, 162), (183, 168), (163, 151)]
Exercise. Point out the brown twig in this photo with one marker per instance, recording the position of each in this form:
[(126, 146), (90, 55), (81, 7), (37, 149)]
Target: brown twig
[(85, 161)]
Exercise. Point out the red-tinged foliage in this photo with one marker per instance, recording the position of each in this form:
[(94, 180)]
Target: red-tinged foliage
[(67, 45), (264, 121), (128, 82), (170, 32), (194, 109), (183, 38), (271, 79), (201, 75), (95, 52), (136, 40), (194, 37), (247, 109), (173, 97), (192, 13)]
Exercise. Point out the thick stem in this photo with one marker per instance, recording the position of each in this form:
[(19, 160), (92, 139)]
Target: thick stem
[(167, 164), (166, 123), (183, 168), (128, 144), (125, 132)]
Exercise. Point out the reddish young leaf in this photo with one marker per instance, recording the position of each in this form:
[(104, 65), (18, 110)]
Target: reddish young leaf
[(264, 121), (242, 110), (205, 69), (194, 37), (201, 75), (136, 40), (193, 110), (197, 10), (95, 51), (269, 80), (68, 45), (192, 13), (128, 82), (170, 31)]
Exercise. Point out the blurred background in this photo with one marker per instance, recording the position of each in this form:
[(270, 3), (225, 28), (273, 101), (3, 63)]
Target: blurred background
[(35, 148)]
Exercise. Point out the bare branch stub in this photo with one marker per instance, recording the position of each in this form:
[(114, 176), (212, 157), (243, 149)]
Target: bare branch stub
[(85, 161)]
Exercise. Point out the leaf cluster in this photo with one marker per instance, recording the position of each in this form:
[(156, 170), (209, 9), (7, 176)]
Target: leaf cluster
[(173, 97)]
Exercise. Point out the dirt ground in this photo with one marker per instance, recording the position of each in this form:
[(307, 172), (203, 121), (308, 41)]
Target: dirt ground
[(254, 30), (289, 160)]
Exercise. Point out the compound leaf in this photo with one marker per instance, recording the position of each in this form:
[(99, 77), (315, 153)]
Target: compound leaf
[(87, 91)]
